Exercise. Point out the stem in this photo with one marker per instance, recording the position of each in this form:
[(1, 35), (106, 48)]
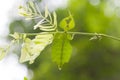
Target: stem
[(76, 33), (109, 36)]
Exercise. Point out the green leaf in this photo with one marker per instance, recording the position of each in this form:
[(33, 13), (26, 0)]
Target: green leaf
[(67, 23), (31, 49), (61, 49)]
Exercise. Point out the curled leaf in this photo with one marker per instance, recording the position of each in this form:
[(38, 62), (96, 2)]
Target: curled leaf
[(55, 19), (31, 49), (38, 24), (31, 5), (29, 11), (70, 36), (67, 23), (47, 23), (23, 11), (46, 12)]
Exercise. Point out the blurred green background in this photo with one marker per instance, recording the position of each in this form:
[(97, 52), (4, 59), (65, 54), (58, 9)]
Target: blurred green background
[(91, 60)]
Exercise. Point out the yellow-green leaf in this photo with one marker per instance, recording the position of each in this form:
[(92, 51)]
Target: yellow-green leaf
[(61, 49), (67, 23)]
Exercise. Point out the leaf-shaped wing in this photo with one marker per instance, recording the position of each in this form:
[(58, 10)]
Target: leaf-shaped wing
[(61, 49)]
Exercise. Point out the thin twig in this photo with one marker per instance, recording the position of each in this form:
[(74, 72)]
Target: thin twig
[(76, 33)]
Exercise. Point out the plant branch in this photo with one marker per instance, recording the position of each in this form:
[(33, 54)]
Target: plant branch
[(76, 33)]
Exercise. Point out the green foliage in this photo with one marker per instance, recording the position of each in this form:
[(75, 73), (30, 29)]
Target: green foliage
[(47, 23), (67, 23), (91, 60), (61, 49), (31, 48)]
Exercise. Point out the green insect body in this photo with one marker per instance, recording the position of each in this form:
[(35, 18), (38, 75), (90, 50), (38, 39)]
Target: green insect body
[(67, 23)]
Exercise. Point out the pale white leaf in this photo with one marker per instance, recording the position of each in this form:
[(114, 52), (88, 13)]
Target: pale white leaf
[(31, 49)]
